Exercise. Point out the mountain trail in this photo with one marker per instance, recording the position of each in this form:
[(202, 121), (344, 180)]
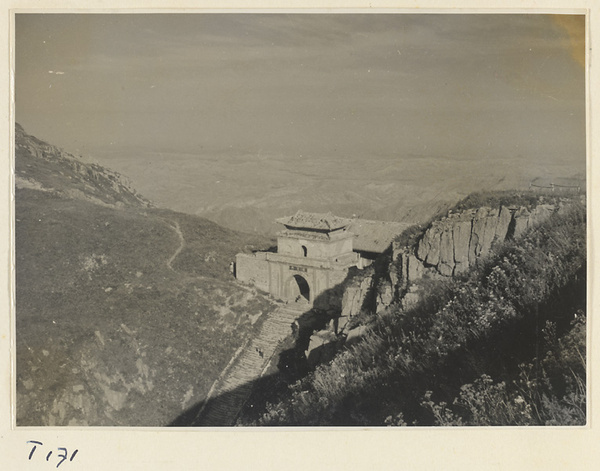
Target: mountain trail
[(177, 229)]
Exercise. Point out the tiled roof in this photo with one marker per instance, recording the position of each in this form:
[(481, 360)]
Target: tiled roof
[(375, 236), (316, 221), (370, 236)]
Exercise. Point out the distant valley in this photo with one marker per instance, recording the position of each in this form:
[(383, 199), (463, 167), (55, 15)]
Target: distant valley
[(248, 190)]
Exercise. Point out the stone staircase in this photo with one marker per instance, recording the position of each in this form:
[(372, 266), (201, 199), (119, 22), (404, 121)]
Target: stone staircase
[(232, 389)]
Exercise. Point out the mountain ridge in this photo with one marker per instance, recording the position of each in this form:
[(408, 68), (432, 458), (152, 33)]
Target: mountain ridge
[(66, 174), (125, 313)]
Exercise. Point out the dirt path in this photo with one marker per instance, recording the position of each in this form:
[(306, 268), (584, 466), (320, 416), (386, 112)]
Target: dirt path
[(177, 229), (231, 390), (233, 387)]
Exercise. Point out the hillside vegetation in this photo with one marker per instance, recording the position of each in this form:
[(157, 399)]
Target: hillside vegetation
[(501, 344), (125, 313)]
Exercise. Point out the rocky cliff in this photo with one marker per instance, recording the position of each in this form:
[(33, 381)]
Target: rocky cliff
[(469, 338), (449, 246), (445, 248), (41, 166)]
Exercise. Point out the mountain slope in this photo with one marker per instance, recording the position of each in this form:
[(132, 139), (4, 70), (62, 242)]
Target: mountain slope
[(500, 344), (41, 166), (125, 313)]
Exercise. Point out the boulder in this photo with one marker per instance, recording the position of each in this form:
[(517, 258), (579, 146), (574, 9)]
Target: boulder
[(482, 233), (411, 298), (401, 271), (321, 348), (339, 324), (448, 247), (489, 233), (385, 295)]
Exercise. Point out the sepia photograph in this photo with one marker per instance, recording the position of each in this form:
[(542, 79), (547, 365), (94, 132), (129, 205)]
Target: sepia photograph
[(264, 220)]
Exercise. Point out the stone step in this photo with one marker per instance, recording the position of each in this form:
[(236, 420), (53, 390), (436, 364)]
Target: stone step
[(279, 327), (264, 343), (291, 316), (232, 390)]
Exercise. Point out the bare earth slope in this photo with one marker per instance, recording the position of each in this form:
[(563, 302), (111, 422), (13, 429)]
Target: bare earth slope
[(125, 314)]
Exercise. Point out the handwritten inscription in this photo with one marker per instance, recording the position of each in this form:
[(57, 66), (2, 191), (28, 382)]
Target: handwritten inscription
[(60, 457), (294, 268)]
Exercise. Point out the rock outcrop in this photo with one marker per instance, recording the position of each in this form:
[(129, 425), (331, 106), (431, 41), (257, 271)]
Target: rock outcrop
[(452, 244), (69, 175), (355, 295), (448, 247)]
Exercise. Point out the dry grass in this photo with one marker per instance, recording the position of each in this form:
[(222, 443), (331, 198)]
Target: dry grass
[(485, 323)]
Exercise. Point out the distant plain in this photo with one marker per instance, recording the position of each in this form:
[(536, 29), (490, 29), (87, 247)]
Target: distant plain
[(248, 191)]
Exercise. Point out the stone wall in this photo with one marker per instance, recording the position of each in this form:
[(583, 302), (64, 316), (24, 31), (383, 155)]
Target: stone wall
[(320, 281), (277, 277), (316, 249), (254, 269)]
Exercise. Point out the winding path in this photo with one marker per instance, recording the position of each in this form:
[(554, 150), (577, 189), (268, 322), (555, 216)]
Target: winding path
[(231, 390), (177, 229)]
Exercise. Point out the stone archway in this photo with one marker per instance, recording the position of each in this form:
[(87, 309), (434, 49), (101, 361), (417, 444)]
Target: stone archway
[(298, 289)]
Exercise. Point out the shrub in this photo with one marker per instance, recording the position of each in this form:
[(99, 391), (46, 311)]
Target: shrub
[(491, 319)]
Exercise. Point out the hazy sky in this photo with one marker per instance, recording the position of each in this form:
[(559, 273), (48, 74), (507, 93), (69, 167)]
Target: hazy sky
[(458, 85)]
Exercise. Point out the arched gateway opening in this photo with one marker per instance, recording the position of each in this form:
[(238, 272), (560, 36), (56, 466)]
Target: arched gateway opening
[(298, 289)]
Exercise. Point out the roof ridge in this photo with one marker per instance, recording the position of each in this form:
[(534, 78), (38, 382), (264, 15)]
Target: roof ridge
[(323, 221)]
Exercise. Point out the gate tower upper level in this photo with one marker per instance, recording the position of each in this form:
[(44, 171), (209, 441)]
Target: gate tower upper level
[(314, 253)]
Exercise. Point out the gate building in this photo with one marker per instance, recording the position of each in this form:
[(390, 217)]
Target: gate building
[(314, 253)]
